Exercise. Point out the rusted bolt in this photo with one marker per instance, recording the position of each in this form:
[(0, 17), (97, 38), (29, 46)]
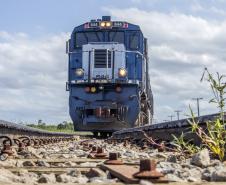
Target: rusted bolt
[(161, 147), (34, 142), (21, 146), (100, 153), (113, 159), (7, 148), (92, 152), (148, 170), (26, 140), (94, 149), (125, 143), (43, 141), (144, 145)]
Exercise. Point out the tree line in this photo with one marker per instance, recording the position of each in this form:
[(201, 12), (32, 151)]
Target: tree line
[(64, 126)]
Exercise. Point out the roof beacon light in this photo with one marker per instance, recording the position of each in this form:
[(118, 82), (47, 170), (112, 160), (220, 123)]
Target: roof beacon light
[(105, 24), (108, 24)]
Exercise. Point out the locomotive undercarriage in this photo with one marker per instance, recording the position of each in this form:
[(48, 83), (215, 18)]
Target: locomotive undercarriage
[(106, 110)]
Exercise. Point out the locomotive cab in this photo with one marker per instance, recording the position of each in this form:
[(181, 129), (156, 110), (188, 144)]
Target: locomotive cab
[(108, 76)]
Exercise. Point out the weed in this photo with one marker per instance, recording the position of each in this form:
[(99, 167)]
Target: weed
[(184, 147), (214, 136)]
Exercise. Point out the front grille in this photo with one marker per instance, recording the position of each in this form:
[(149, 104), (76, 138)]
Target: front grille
[(100, 58)]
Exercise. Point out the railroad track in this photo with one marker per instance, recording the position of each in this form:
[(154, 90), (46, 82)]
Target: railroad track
[(22, 136), (33, 156), (164, 131), (15, 130)]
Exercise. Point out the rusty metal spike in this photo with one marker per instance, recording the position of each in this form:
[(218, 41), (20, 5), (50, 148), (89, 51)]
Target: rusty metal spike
[(113, 159), (148, 170)]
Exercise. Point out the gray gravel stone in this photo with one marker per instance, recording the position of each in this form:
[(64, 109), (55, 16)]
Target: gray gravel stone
[(80, 180), (174, 178), (43, 163), (70, 164), (95, 172), (7, 163), (171, 158), (28, 177), (74, 173), (64, 178), (102, 180), (193, 179), (168, 167), (145, 182), (207, 173), (47, 178), (219, 175), (8, 177), (29, 163), (201, 159), (88, 164)]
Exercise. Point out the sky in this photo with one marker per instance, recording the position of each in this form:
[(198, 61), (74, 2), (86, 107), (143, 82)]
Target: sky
[(184, 37)]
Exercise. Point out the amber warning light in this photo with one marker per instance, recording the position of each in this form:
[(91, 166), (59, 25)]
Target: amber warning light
[(106, 24)]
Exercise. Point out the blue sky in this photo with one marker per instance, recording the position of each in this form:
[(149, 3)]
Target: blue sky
[(184, 37), (56, 15)]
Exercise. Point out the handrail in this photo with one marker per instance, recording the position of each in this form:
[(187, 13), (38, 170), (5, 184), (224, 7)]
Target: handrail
[(91, 54), (125, 51)]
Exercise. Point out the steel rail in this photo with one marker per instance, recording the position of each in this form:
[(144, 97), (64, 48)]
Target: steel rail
[(9, 128), (164, 131)]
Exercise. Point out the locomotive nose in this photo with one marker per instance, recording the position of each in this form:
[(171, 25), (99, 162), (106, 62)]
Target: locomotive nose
[(104, 62)]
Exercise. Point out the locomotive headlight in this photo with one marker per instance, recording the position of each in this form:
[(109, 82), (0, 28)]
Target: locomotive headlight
[(79, 72), (102, 24), (122, 72), (93, 89), (108, 24)]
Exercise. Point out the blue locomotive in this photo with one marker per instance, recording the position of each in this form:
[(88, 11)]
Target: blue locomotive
[(108, 77)]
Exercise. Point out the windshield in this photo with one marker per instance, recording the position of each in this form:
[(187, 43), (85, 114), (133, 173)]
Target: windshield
[(82, 38), (116, 37), (86, 37)]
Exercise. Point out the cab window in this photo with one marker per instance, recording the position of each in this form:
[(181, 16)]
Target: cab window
[(82, 38), (116, 37), (134, 41), (94, 36)]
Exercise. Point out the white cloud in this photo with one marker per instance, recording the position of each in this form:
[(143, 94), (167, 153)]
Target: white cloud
[(197, 7), (180, 46), (33, 73)]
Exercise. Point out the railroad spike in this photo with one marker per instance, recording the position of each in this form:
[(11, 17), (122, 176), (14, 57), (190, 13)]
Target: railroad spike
[(113, 159), (148, 171)]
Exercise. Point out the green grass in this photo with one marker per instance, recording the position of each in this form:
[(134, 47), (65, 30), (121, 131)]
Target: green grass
[(64, 128)]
